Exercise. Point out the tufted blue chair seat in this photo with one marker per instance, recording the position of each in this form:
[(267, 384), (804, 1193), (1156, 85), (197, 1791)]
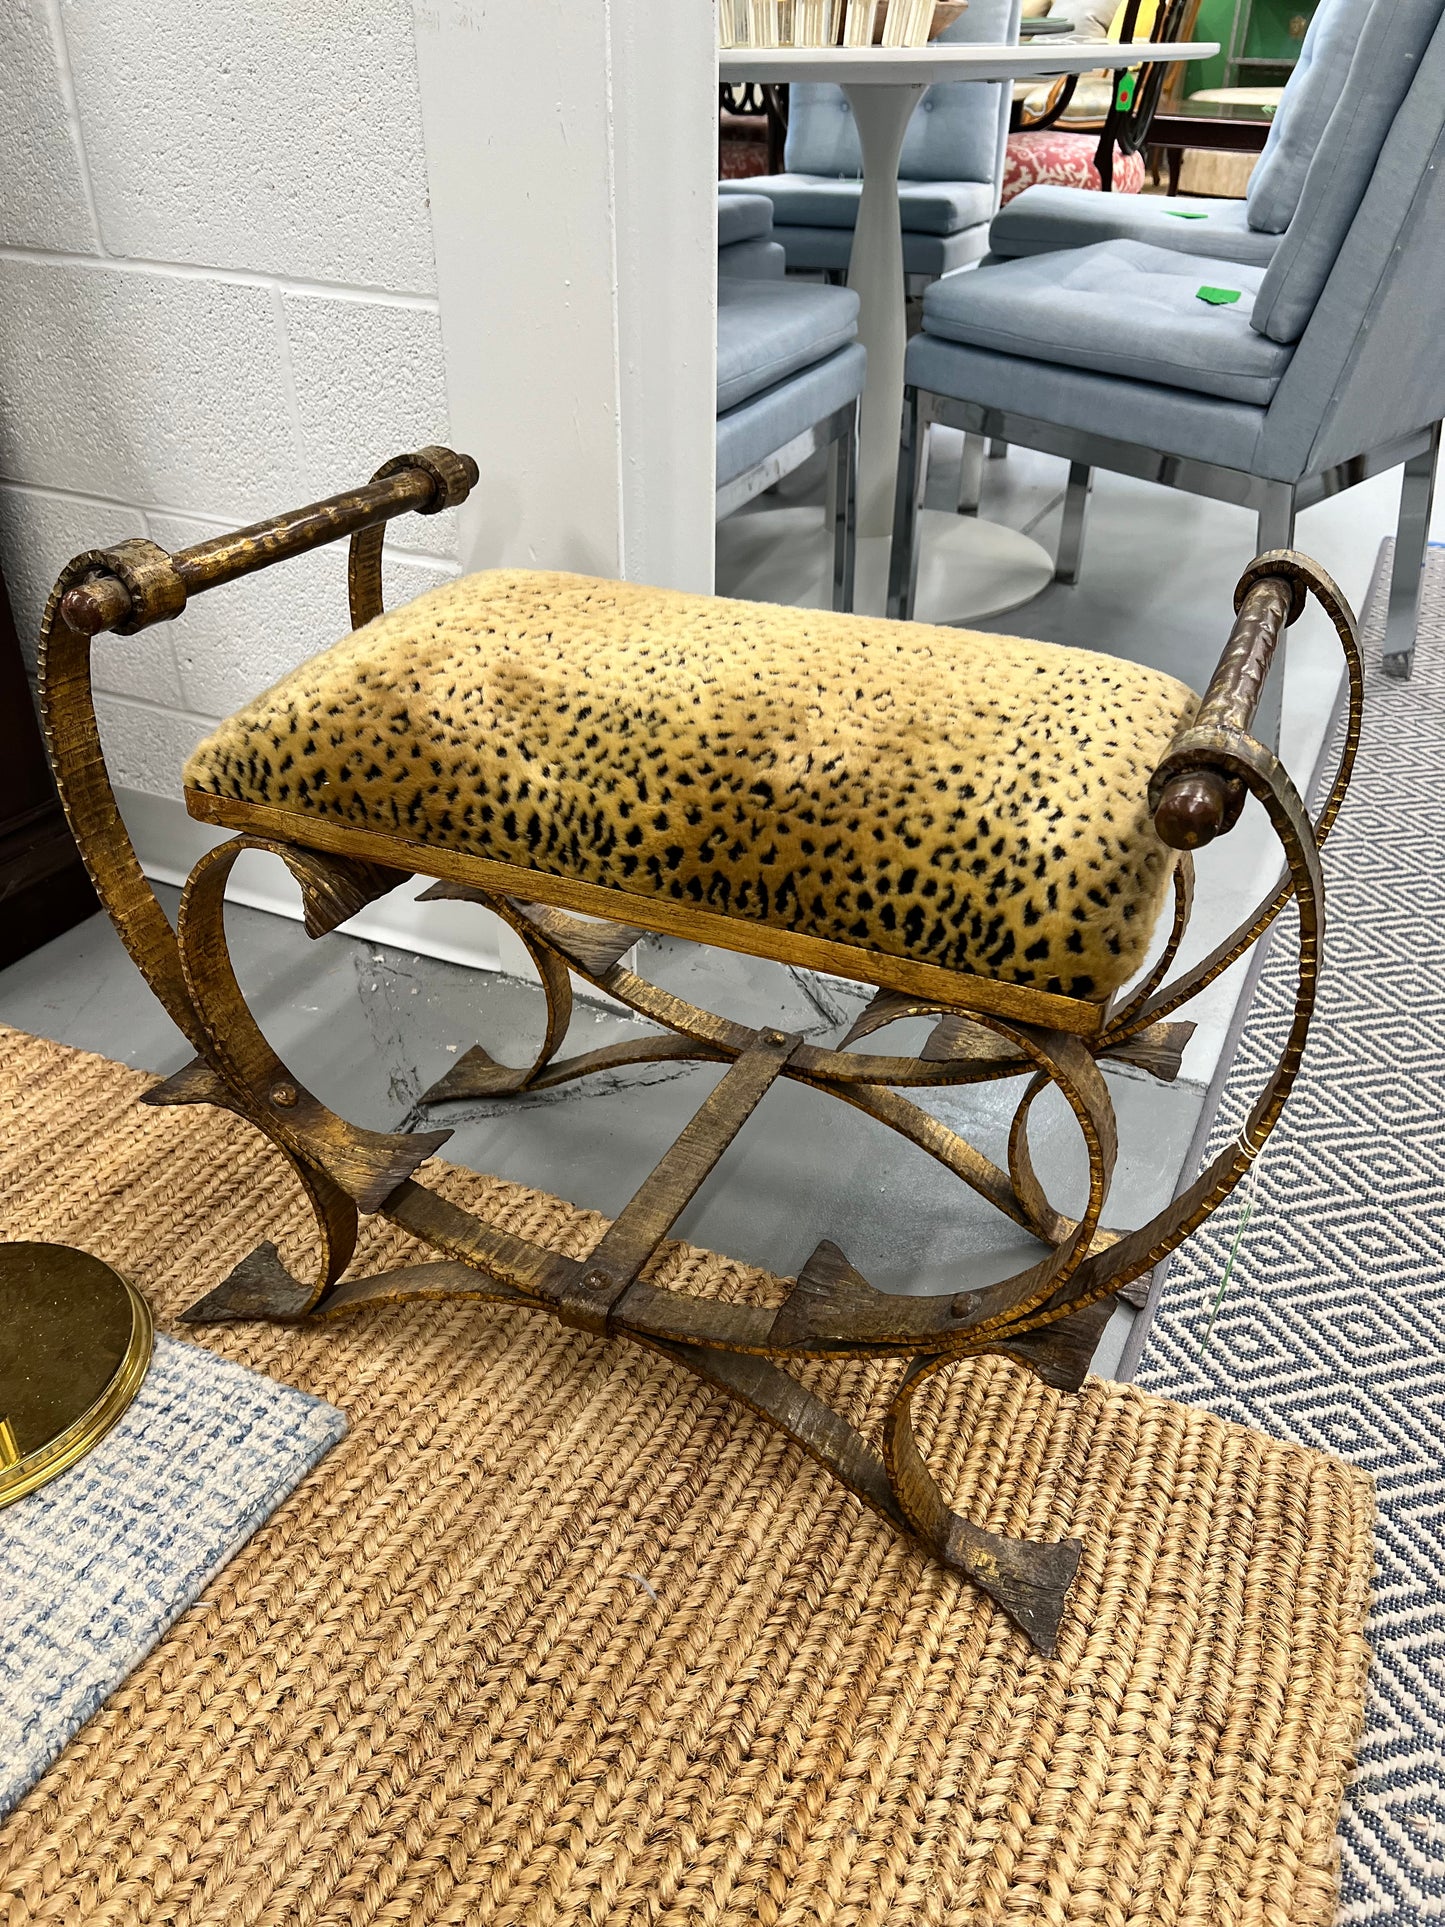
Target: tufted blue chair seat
[(1046, 218), (790, 370), (788, 355), (1118, 308)]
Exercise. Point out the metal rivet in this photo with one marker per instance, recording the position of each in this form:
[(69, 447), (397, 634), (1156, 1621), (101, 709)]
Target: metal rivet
[(965, 1305), (598, 1281), (283, 1096), (774, 1037)]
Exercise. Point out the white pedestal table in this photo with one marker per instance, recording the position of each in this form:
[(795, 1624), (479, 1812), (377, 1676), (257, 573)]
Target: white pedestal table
[(968, 567)]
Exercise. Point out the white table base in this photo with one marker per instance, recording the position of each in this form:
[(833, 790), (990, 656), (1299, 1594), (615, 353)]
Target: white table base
[(875, 273), (968, 568), (981, 568)]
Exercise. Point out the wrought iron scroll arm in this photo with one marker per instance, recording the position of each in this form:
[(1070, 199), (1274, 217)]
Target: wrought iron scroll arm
[(1194, 796), (128, 588)]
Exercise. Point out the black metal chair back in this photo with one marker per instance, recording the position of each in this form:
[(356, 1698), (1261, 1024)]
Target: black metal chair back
[(1137, 89)]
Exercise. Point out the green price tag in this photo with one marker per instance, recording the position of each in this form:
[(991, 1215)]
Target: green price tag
[(1186, 214), (1125, 96), (1218, 297)]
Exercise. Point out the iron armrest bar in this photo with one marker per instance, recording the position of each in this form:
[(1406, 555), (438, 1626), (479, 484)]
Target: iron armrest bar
[(145, 585), (1196, 802)]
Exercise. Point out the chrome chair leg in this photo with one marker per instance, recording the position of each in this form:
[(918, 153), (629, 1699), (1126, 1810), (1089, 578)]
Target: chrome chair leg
[(970, 474), (844, 495), (1075, 518), (1412, 533), (1275, 530), (907, 500)]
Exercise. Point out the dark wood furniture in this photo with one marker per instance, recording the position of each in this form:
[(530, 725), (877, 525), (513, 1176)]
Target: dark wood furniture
[(752, 129), (43, 885), (1219, 127)]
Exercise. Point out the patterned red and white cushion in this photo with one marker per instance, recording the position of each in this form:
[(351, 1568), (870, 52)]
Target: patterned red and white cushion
[(1058, 158)]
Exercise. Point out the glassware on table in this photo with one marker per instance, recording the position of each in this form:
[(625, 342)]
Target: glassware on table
[(833, 23), (817, 23), (770, 23), (858, 22), (908, 24), (732, 23)]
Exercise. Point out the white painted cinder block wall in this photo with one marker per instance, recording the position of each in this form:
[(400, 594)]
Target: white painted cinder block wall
[(249, 249), (217, 301)]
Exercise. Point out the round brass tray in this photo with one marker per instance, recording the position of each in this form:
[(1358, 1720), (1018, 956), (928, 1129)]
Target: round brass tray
[(75, 1342)]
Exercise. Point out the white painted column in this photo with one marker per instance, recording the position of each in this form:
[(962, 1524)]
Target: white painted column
[(572, 160)]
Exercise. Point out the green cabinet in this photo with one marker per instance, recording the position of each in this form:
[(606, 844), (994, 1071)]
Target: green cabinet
[(1259, 41), (1266, 40)]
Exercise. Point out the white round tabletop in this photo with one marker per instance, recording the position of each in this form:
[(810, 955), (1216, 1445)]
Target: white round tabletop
[(939, 60)]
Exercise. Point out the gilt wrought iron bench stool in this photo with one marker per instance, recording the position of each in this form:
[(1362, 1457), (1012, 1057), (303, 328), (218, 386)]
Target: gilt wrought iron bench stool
[(983, 829)]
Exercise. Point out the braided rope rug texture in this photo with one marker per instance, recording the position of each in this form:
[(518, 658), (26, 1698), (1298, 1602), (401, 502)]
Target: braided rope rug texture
[(557, 1635), (1333, 1328)]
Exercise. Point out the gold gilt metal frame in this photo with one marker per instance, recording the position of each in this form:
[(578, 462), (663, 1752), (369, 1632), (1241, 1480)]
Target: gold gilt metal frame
[(1048, 1316)]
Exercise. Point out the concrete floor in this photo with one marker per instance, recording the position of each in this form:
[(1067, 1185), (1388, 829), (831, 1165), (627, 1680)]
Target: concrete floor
[(369, 1028)]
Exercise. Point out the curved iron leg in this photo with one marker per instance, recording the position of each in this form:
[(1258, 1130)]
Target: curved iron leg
[(340, 1167), (259, 1286)]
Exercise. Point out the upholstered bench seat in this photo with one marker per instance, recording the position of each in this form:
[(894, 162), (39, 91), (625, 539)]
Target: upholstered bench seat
[(962, 823), (974, 801)]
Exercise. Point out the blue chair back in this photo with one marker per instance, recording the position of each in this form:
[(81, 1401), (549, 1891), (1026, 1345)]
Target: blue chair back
[(1310, 95), (957, 133), (1370, 366), (1386, 66)]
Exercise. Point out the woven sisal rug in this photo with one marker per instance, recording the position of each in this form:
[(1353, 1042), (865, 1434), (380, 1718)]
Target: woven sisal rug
[(556, 1635)]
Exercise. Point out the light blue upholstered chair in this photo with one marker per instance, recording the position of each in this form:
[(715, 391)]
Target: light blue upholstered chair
[(1042, 219), (1327, 367), (949, 173), (790, 369), (746, 249)]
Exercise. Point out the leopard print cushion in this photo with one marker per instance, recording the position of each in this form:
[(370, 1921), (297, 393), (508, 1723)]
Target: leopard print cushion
[(974, 801)]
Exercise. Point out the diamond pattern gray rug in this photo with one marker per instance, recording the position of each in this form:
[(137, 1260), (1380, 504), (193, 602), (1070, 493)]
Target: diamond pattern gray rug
[(1332, 1329)]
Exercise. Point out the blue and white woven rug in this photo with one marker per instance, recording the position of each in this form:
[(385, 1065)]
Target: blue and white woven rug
[(1332, 1331), (97, 1565)]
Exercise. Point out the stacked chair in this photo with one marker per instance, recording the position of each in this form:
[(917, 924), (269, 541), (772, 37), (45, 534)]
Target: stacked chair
[(1271, 382), (949, 174), (790, 371)]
